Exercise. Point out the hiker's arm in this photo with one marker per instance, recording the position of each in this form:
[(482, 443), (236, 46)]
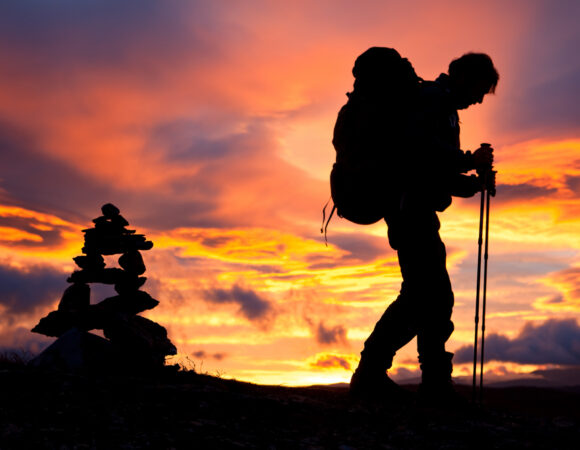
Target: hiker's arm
[(465, 185), (452, 158), (469, 185), (438, 141)]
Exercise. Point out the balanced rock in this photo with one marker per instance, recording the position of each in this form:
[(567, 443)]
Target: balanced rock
[(92, 261), (143, 341), (132, 303), (76, 298), (56, 323), (110, 210), (132, 262)]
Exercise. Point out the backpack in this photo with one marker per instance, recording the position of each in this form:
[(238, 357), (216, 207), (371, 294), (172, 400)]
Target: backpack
[(369, 136)]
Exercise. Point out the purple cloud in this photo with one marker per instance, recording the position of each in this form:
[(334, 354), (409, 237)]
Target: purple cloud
[(22, 292), (522, 192), (251, 305), (330, 335), (573, 183), (361, 248), (552, 342), (542, 96), (202, 354)]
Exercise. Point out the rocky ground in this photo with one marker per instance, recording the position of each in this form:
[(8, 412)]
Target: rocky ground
[(50, 410)]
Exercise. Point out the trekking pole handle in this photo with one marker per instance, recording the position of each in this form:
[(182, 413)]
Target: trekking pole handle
[(484, 172), (484, 169)]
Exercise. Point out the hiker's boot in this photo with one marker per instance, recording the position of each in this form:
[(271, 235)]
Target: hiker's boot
[(436, 389), (377, 386)]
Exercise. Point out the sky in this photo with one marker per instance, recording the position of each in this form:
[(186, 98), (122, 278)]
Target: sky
[(209, 125)]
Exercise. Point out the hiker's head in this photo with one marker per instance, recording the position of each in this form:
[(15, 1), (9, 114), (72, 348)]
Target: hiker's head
[(472, 77), (379, 69)]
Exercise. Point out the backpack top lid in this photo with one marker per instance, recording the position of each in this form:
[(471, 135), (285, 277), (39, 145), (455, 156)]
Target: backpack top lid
[(374, 61), (383, 69)]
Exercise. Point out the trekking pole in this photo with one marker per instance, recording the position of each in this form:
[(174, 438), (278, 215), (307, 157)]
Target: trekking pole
[(479, 244), (484, 197), (484, 295)]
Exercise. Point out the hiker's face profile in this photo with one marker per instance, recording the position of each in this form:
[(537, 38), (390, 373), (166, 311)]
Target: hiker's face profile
[(473, 96), (467, 92)]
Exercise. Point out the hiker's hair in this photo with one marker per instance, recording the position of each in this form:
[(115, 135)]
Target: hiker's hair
[(475, 66)]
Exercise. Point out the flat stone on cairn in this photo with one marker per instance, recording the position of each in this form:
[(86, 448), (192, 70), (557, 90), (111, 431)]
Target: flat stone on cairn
[(133, 342), (110, 237)]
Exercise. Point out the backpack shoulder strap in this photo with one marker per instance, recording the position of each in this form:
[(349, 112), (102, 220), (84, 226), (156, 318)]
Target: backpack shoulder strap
[(324, 227)]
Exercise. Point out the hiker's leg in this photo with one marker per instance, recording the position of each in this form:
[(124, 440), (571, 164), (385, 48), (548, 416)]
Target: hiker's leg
[(394, 329), (435, 325), (399, 323), (422, 257)]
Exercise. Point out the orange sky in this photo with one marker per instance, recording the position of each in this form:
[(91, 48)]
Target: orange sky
[(209, 125)]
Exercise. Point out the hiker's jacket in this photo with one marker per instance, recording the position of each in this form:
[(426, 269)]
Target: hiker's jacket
[(440, 163)]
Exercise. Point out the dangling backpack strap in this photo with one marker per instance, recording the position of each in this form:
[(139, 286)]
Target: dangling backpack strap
[(324, 226)]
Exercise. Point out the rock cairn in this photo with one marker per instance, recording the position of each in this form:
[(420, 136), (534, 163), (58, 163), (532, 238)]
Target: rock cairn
[(132, 341)]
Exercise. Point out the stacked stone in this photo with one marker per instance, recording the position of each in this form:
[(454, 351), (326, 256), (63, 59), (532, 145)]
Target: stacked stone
[(134, 340)]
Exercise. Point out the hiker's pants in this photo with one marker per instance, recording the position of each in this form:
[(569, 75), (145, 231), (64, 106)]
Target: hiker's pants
[(424, 305)]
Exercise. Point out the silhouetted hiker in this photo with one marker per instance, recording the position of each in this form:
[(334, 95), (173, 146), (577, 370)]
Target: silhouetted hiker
[(431, 170)]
